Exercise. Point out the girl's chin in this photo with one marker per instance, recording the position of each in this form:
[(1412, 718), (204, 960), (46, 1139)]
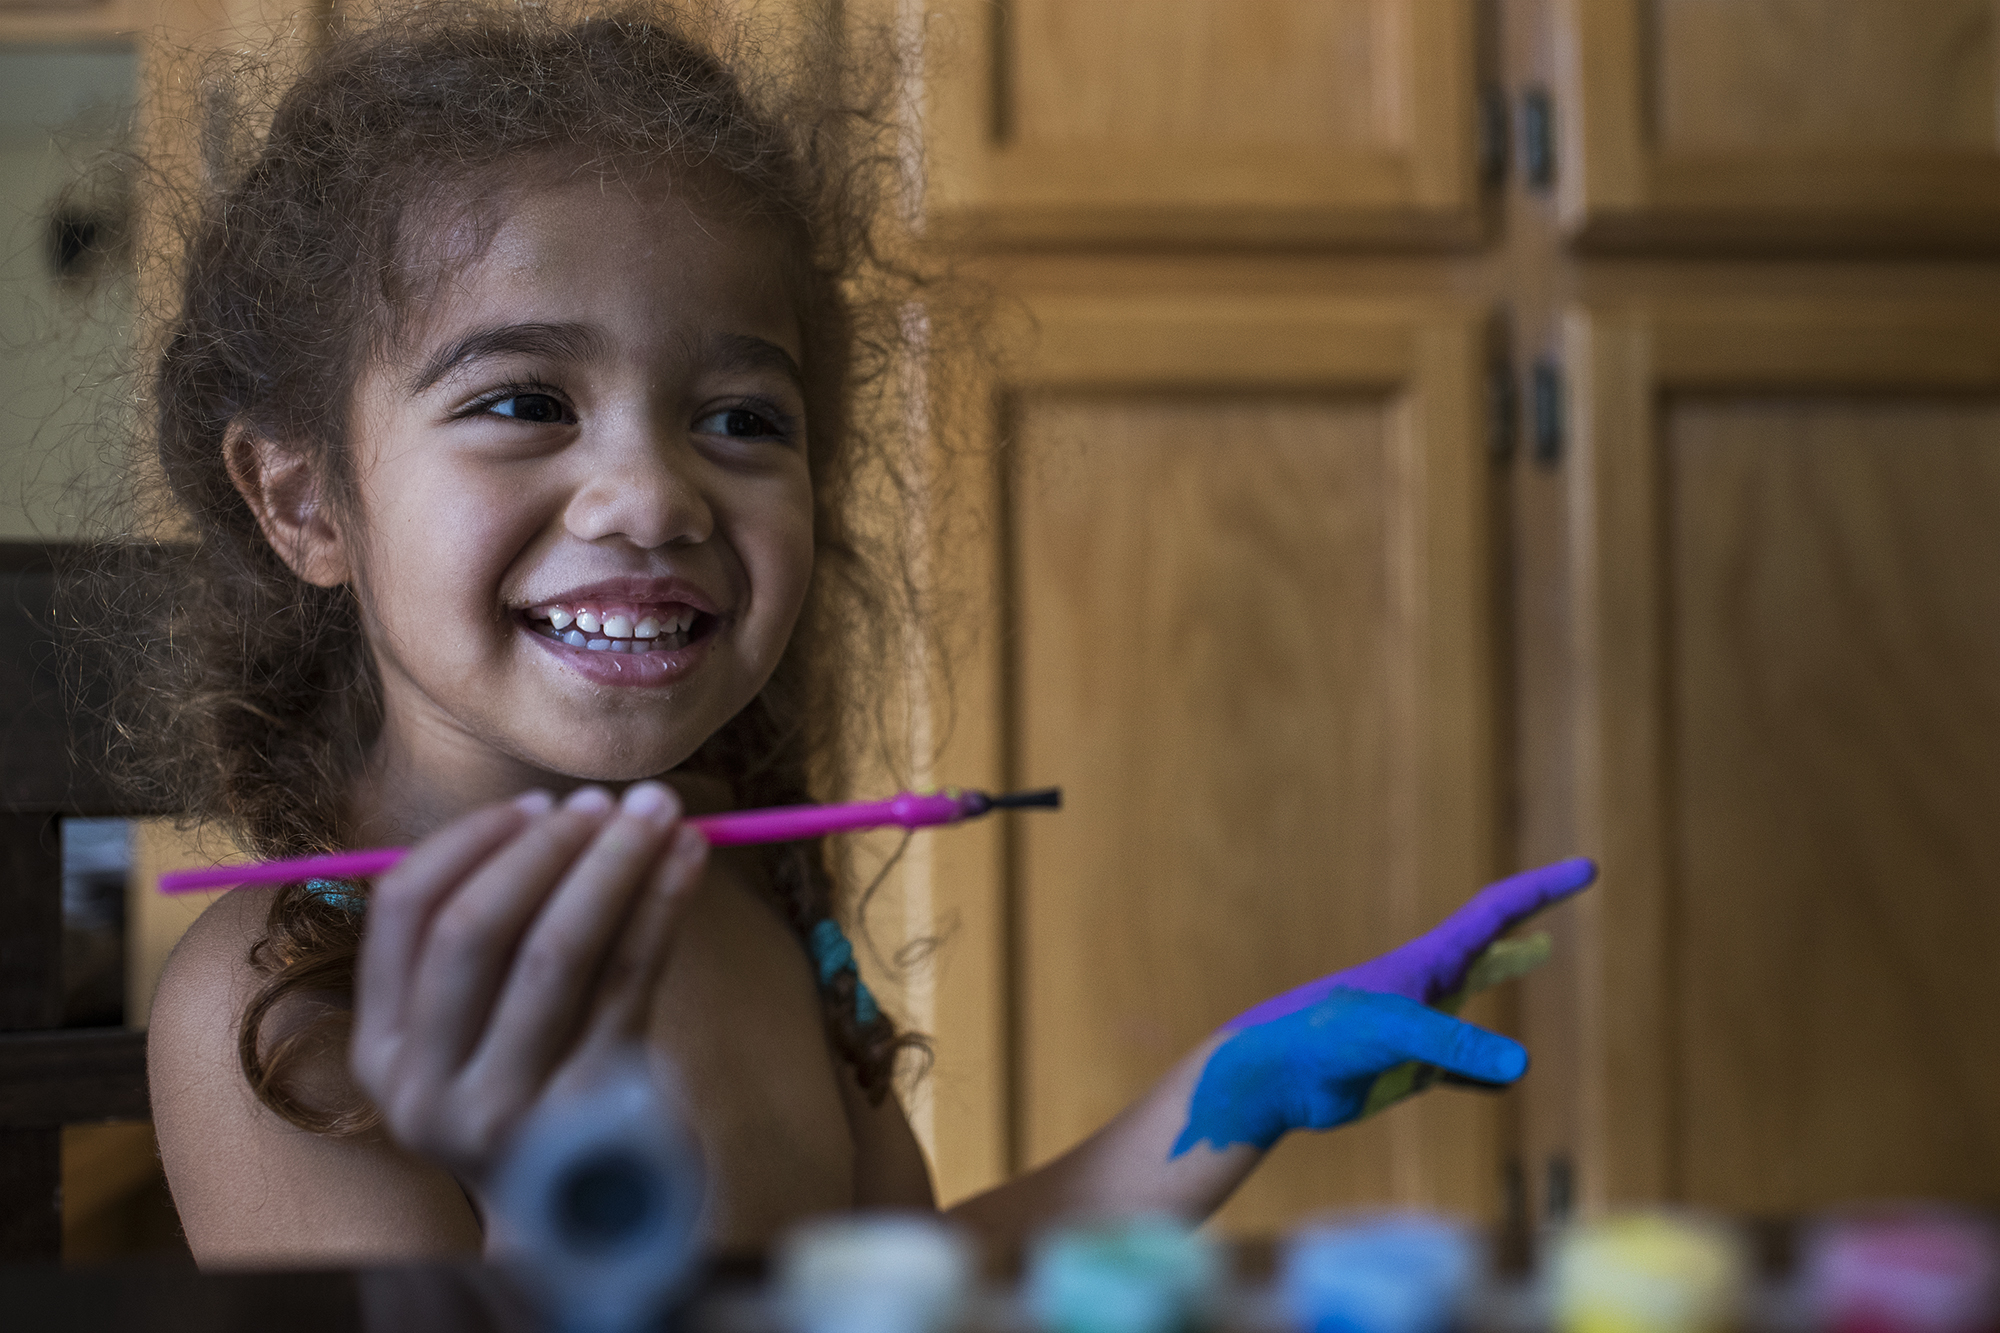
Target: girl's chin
[(640, 758)]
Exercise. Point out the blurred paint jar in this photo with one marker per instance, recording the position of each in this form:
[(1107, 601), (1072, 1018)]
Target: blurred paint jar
[(1140, 1275), (1388, 1273), (1906, 1270), (1651, 1272), (874, 1273)]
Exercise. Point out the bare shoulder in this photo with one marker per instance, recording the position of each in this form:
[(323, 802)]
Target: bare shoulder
[(203, 989), (252, 1188)]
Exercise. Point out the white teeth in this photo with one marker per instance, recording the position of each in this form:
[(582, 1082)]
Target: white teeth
[(617, 631)]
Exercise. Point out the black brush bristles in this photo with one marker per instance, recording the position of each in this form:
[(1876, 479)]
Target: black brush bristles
[(978, 803), (1041, 798)]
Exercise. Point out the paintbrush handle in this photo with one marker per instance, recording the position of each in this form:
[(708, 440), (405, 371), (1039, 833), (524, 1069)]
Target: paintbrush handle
[(792, 823), (789, 823), (363, 864)]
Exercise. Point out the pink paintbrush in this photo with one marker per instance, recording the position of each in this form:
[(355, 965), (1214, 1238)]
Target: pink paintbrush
[(787, 823)]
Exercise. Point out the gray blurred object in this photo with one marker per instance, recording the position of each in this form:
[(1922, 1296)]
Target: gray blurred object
[(66, 294), (96, 861), (599, 1205)]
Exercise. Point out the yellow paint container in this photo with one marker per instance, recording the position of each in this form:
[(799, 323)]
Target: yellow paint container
[(1653, 1272)]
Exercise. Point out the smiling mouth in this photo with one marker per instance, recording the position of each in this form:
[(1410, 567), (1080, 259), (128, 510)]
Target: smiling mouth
[(622, 627)]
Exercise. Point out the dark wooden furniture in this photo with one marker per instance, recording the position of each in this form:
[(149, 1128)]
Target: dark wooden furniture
[(157, 1297), (49, 1076)]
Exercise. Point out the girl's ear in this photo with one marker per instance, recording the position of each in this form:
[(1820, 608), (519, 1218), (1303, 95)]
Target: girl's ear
[(283, 490)]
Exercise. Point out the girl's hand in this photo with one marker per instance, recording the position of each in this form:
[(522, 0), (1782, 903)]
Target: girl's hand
[(1432, 965), (1314, 1068), (1310, 1058), (507, 955)]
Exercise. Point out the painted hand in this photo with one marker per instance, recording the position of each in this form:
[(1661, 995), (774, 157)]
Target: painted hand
[(1314, 1068), (1434, 965), (1349, 1044)]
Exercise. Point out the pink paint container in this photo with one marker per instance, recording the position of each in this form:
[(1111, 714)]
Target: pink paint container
[(1904, 1270)]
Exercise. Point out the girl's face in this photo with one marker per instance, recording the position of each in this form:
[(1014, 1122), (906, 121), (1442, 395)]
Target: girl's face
[(585, 515)]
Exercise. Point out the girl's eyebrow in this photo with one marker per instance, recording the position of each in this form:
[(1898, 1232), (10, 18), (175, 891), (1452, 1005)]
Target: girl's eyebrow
[(561, 342), (746, 351)]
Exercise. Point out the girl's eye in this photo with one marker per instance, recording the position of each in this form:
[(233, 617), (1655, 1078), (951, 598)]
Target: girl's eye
[(739, 422), (535, 408)]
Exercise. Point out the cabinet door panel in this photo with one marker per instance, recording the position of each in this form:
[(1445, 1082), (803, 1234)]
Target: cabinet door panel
[(1765, 123), (1781, 75), (1836, 666), (1280, 121), (1788, 715), (1243, 619), (1206, 661), (1204, 72)]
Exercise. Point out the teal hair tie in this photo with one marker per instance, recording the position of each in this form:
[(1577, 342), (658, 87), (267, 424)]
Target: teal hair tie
[(337, 894), (832, 955)]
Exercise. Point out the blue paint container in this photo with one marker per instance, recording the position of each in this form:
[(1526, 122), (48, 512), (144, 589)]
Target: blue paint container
[(1387, 1273)]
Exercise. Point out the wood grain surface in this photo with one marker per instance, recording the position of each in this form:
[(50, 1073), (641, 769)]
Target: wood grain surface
[(1273, 122), (1778, 126), (1836, 662), (1207, 662), (1858, 75), (1256, 73), (1785, 704)]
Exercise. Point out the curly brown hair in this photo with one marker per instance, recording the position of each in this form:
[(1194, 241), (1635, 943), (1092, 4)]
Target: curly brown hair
[(249, 696)]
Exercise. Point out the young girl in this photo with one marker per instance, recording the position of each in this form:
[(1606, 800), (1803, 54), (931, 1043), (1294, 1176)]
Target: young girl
[(510, 413)]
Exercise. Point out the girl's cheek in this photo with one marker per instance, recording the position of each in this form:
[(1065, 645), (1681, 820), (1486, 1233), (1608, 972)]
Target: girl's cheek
[(799, 551), (780, 553)]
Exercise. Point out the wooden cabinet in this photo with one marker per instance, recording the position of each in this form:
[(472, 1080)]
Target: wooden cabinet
[(1744, 649), (1205, 121), (1246, 625), (1779, 125), (1787, 753)]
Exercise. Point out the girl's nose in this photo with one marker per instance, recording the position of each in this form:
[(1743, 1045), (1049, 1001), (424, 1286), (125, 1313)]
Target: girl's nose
[(646, 488)]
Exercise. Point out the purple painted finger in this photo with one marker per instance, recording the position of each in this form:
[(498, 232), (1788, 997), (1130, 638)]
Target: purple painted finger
[(1433, 964), (1498, 906)]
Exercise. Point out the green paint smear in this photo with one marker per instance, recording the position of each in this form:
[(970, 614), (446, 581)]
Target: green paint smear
[(1502, 960)]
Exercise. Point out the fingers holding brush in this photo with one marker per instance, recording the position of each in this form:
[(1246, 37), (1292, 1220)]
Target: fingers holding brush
[(578, 956), (504, 941), (400, 911), (632, 975)]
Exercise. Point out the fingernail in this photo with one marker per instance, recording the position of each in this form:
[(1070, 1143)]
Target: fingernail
[(535, 801), (650, 800), (591, 800)]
